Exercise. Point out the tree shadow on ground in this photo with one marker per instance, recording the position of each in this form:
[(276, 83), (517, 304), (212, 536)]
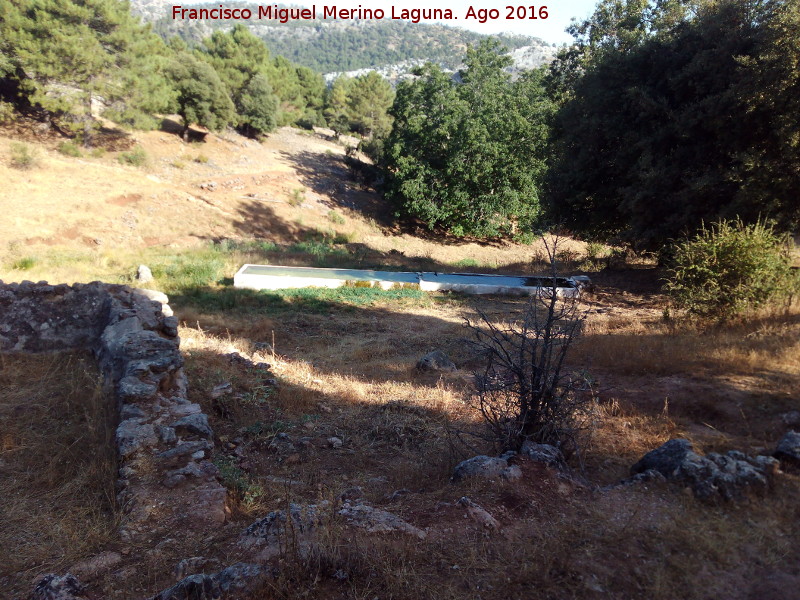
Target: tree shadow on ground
[(341, 332), (169, 125), (329, 176), (257, 219)]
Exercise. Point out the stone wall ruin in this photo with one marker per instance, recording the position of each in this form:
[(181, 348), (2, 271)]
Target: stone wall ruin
[(166, 480)]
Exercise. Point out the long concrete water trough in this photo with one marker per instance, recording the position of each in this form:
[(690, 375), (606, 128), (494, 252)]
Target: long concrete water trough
[(264, 277)]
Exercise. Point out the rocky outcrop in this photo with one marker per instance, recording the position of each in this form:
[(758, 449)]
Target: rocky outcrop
[(162, 439), (59, 587), (228, 584), (268, 536), (375, 520), (487, 467), (713, 476), (231, 583)]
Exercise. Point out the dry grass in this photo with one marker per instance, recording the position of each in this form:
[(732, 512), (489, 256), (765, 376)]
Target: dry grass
[(345, 367), (350, 373), (57, 464)]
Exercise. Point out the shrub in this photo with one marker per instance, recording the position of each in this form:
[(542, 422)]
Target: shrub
[(297, 197), (525, 392), (201, 159), (136, 157), (7, 112), (24, 264), (729, 269), (335, 217), (594, 250), (23, 156), (70, 149)]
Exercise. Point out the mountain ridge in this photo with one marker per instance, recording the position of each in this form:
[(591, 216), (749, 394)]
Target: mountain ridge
[(327, 45)]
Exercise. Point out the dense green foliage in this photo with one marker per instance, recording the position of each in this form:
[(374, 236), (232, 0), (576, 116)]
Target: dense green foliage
[(469, 156), (731, 268), (674, 113), (359, 105), (258, 105), (61, 55), (67, 61), (202, 97)]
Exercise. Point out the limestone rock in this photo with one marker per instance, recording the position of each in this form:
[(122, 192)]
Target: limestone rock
[(190, 566), (133, 435), (791, 418), (726, 476), (487, 467), (479, 514), (436, 361), (665, 459), (543, 453), (268, 533), (193, 425), (59, 587), (154, 295), (375, 520), (240, 577), (788, 449), (512, 473), (144, 274), (196, 587), (185, 449), (133, 389)]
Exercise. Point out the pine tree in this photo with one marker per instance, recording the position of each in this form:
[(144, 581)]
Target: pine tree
[(68, 54), (336, 105), (369, 99), (202, 97)]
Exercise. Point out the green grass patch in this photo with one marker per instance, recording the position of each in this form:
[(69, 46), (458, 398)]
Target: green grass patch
[(24, 264), (306, 300), (466, 263), (249, 246), (136, 157), (238, 482), (200, 268), (336, 218), (70, 149)]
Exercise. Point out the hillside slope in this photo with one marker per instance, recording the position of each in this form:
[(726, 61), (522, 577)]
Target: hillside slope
[(294, 188), (334, 46)]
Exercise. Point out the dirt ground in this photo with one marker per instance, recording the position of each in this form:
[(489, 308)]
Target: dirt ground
[(345, 368)]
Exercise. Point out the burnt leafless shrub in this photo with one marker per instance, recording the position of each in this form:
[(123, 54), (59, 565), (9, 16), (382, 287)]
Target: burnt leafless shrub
[(525, 390)]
